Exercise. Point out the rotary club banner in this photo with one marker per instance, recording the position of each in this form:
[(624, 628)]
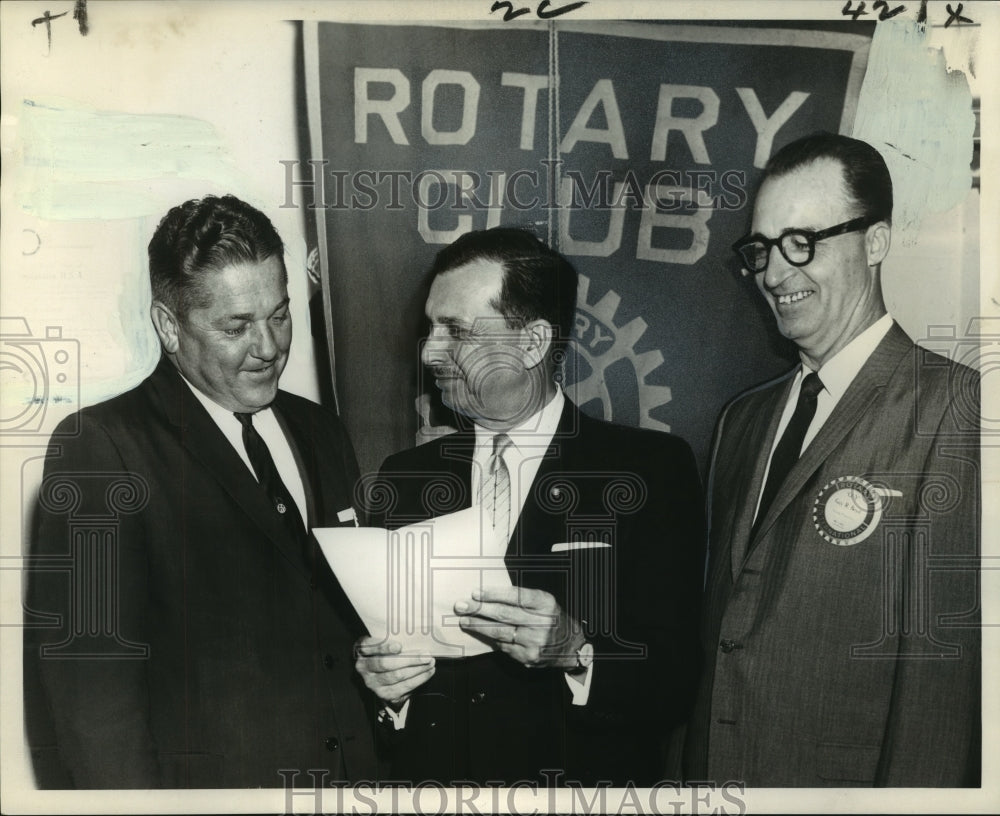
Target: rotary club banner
[(633, 148)]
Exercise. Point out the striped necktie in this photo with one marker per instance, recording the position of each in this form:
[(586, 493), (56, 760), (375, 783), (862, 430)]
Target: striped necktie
[(496, 495)]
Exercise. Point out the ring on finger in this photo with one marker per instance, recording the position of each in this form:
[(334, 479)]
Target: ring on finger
[(513, 635)]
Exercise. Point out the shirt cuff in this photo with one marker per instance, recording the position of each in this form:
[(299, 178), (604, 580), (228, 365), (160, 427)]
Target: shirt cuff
[(579, 685), (397, 718)]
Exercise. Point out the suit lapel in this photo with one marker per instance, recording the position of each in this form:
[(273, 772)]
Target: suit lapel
[(303, 452), (202, 439), (857, 400), (456, 452), (536, 530)]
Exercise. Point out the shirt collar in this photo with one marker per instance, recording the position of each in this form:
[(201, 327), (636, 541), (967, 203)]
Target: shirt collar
[(839, 371), (538, 429), (222, 417)]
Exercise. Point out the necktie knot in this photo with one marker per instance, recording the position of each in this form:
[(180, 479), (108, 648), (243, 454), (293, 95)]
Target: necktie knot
[(500, 444), (811, 386), (246, 420)]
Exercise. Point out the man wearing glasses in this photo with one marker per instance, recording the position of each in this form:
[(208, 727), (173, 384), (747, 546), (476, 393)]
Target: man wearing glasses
[(841, 622)]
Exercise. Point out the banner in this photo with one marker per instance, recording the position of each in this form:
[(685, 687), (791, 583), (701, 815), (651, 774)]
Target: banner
[(632, 148)]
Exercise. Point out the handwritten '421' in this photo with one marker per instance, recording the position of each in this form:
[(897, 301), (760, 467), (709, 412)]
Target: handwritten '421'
[(542, 11), (882, 6)]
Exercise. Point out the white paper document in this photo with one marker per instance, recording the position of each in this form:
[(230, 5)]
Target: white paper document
[(404, 583)]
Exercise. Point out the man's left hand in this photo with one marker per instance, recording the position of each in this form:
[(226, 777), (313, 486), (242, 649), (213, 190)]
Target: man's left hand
[(527, 624)]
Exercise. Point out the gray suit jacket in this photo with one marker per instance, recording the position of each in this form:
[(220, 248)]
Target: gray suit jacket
[(842, 642)]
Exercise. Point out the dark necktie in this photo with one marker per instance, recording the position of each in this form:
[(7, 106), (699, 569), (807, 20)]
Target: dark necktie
[(270, 481), (789, 447)]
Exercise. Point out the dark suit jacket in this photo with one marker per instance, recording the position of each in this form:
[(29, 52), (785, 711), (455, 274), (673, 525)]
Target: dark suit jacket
[(852, 663), (488, 717), (187, 642)]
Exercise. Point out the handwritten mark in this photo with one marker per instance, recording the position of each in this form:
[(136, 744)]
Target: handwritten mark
[(47, 18), (955, 16), (849, 11), (885, 14), (80, 15), (542, 11), (922, 13), (510, 13), (547, 15)]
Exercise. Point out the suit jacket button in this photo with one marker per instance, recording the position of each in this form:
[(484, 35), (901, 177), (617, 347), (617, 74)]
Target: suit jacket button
[(328, 661), (478, 697), (331, 743), (728, 645)]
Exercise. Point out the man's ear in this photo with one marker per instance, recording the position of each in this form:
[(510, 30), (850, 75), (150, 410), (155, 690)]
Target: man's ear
[(877, 241), (166, 324), (540, 335)]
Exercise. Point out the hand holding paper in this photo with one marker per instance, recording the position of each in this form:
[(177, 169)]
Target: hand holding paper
[(405, 583), (527, 624), (390, 675)]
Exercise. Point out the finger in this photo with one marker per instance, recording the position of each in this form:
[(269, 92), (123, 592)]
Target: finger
[(403, 688), (401, 675), (382, 664), (500, 632), (377, 646), (514, 615), (508, 595), (523, 597), (504, 636)]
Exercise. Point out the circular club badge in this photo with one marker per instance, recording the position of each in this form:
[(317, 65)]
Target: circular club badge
[(847, 510)]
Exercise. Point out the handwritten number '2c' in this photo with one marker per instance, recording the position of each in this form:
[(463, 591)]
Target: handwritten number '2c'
[(542, 11)]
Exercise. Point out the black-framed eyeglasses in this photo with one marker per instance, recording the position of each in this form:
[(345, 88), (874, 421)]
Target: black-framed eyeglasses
[(797, 246)]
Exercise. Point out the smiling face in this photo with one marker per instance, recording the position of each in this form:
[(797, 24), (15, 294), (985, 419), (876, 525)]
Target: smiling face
[(825, 304), (486, 371), (233, 346)]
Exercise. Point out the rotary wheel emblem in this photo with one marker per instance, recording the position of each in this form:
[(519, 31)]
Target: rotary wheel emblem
[(600, 343)]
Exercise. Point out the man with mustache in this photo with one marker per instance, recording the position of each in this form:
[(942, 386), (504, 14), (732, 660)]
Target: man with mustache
[(594, 649)]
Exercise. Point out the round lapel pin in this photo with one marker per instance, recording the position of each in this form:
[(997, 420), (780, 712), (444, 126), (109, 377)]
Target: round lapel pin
[(848, 509)]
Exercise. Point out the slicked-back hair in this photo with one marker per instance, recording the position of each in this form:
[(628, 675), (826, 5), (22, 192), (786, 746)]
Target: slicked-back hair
[(206, 235), (866, 177), (538, 282)]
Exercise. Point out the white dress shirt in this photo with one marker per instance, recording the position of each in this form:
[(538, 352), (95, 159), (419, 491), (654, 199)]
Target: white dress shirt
[(523, 457), (531, 439), (270, 431), (837, 374)]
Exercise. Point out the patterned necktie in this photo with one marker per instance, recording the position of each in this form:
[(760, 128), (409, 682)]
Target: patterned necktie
[(496, 496), (270, 480), (787, 452)]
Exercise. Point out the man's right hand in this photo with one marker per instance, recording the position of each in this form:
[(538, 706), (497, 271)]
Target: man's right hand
[(390, 675)]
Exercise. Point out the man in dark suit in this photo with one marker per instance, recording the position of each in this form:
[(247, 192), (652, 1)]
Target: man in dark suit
[(594, 652), (181, 631), (841, 619)]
